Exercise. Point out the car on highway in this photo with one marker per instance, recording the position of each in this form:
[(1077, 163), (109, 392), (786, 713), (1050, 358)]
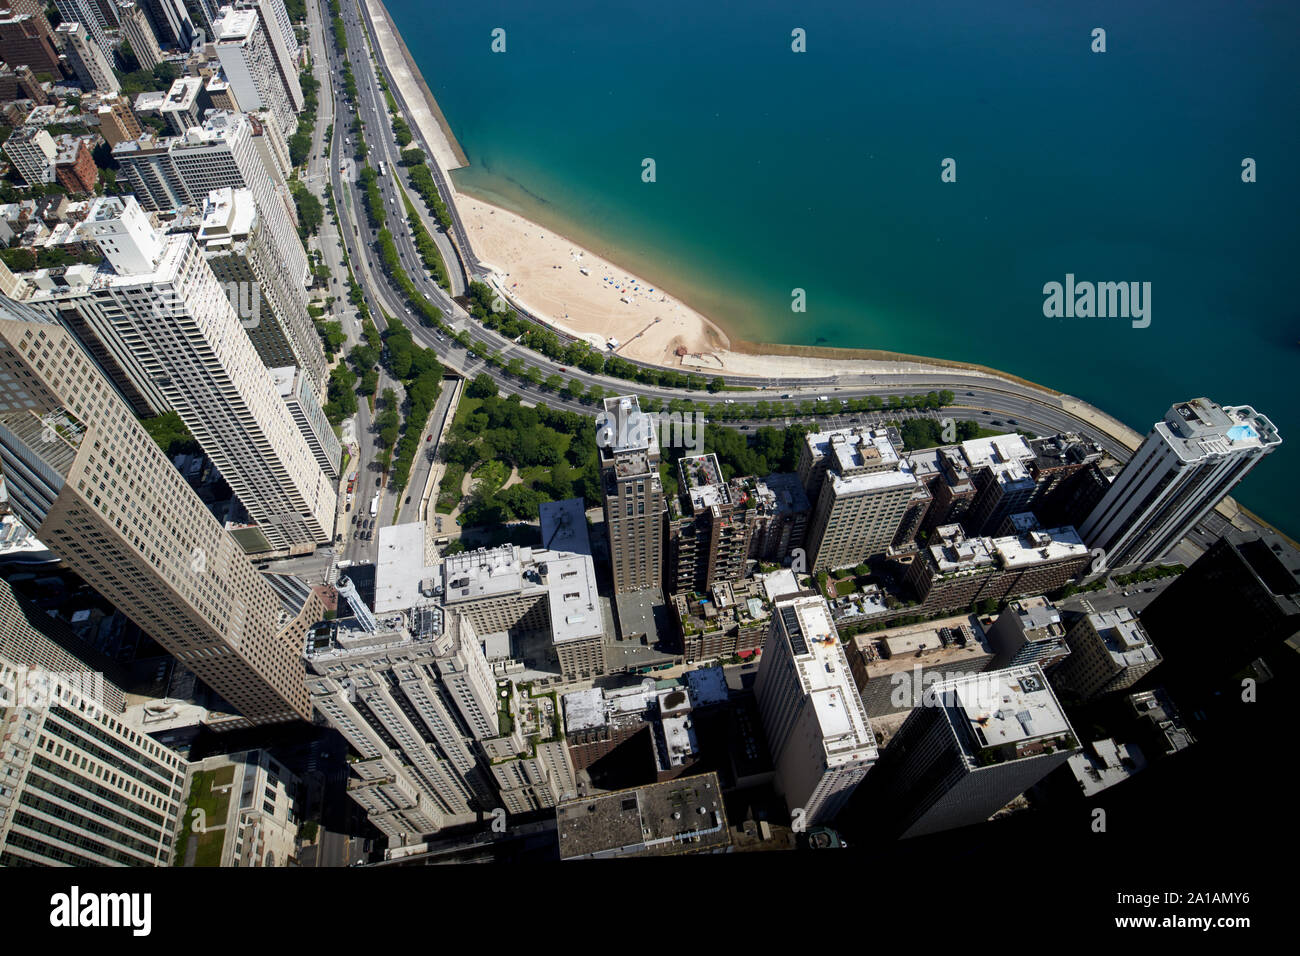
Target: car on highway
[(428, 438), (730, 401), (822, 398)]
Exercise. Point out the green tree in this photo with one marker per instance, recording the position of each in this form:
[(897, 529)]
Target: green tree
[(483, 386)]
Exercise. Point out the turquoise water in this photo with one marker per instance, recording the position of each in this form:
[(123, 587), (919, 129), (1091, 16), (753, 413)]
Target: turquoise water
[(821, 171)]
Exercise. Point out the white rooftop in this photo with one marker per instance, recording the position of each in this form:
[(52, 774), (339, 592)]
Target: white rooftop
[(569, 580), (564, 526), (824, 676), (996, 450), (1011, 706), (399, 568), (1200, 428), (1037, 547), (1124, 636)]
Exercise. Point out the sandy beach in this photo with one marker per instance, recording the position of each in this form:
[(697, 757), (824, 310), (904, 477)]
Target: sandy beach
[(580, 292), (588, 296)]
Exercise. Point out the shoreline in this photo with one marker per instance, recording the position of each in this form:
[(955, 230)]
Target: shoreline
[(379, 14), (728, 354), (712, 349)]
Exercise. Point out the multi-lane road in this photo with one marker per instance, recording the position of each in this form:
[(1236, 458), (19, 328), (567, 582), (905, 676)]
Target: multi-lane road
[(990, 400)]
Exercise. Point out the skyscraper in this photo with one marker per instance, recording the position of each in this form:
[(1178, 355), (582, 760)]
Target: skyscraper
[(1238, 601), (34, 154), (634, 495), (1185, 467), (250, 56), (139, 34), (411, 695), (223, 152), (1109, 651), (171, 22), (817, 729), (978, 743), (861, 489), (45, 646), (92, 18), (87, 478), (708, 531), (94, 70), (80, 788), (241, 248), (117, 123), (158, 308), (26, 39)]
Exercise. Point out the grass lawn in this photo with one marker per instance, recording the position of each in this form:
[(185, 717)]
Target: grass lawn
[(214, 806)]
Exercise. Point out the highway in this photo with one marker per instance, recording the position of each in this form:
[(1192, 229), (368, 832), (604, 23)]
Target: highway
[(991, 401)]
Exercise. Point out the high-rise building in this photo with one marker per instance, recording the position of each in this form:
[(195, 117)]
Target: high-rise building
[(92, 18), (986, 739), (80, 788), (1028, 631), (662, 819), (10, 284), (27, 40), (1003, 483), (1058, 460), (274, 19), (139, 34), (157, 308), (300, 398), (895, 668), (708, 534), (85, 476), (74, 166), (817, 729), (202, 14), (779, 517), (33, 153), (530, 762), (185, 104), (634, 495), (861, 489), (411, 692), (1109, 651), (94, 70), (946, 475), (171, 23), (958, 572), (46, 647), (117, 122), (523, 592), (1238, 601), (1185, 467), (20, 83), (249, 59), (223, 152), (241, 248), (222, 97)]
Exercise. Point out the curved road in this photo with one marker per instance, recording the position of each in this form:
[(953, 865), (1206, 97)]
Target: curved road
[(982, 397)]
